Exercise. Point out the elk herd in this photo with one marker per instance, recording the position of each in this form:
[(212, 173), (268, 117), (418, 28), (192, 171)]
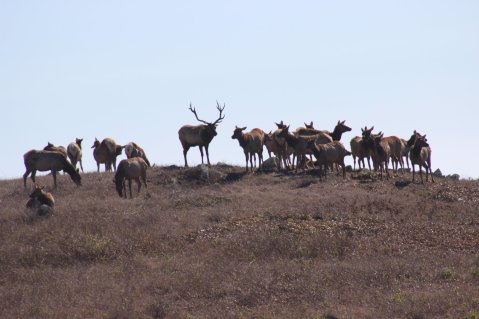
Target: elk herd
[(292, 150)]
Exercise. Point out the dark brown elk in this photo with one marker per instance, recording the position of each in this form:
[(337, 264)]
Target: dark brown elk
[(52, 148), (41, 201), (199, 135), (420, 154), (328, 154), (74, 152), (48, 161), (106, 153), (134, 150), (361, 151), (380, 152), (128, 169), (252, 143)]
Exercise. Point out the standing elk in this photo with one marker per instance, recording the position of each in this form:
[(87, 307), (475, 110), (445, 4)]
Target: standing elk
[(106, 153), (74, 152), (252, 143), (328, 154), (302, 145), (134, 150), (382, 152), (360, 150), (48, 161), (199, 135), (128, 169), (420, 154), (52, 148)]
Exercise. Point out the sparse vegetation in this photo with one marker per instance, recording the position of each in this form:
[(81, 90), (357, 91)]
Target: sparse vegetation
[(255, 246)]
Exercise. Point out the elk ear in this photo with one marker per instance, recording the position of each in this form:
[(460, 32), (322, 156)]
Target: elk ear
[(343, 122), (362, 130), (339, 122), (372, 128), (243, 128)]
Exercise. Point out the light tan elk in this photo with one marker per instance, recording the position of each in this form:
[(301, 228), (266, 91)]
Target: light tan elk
[(328, 154), (361, 151), (106, 153), (134, 150), (74, 152), (48, 161), (420, 154), (41, 201), (128, 169), (199, 135), (252, 143), (52, 148), (396, 149)]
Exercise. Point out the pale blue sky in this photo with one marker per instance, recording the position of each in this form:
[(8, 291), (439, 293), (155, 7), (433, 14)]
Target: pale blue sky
[(129, 69)]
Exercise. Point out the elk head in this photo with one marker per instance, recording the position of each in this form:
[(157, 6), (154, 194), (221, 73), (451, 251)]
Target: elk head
[(96, 143), (310, 125), (238, 132), (211, 125), (343, 127)]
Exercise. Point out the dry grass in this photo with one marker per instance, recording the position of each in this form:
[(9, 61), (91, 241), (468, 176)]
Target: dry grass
[(242, 246)]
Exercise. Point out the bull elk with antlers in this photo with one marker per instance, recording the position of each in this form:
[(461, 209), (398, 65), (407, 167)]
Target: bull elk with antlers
[(199, 135)]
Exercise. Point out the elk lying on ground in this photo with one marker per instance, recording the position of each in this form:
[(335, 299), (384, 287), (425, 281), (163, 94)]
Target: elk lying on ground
[(134, 150), (41, 201), (48, 161), (252, 143), (360, 150), (106, 153), (420, 154), (199, 135), (328, 154), (128, 169), (74, 152), (52, 148)]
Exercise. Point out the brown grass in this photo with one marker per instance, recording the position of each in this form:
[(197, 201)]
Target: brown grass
[(242, 246)]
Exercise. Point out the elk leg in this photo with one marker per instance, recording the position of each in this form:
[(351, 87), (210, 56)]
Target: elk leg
[(138, 183), (201, 152), (125, 196), (33, 175), (25, 177), (185, 150), (246, 157), (54, 174), (207, 154), (129, 187), (81, 166), (413, 172)]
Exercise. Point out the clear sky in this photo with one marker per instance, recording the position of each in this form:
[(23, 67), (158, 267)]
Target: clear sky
[(129, 69)]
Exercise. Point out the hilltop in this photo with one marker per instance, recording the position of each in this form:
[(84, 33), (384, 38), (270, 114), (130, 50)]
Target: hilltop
[(219, 243)]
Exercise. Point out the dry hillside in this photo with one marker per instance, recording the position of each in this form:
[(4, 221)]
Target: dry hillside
[(235, 245)]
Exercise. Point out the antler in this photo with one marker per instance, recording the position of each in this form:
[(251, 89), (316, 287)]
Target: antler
[(221, 111), (196, 115)]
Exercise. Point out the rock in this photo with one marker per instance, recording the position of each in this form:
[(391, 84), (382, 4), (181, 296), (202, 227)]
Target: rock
[(438, 173), (271, 164), (454, 177)]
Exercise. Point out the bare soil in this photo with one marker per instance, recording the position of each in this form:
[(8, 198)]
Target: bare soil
[(220, 243)]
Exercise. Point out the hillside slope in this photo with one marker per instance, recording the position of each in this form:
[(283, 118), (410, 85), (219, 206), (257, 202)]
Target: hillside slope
[(242, 246)]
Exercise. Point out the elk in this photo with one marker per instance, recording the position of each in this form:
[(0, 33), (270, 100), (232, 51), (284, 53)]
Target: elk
[(52, 148), (199, 135), (405, 151), (360, 150), (48, 161), (128, 169), (42, 201), (301, 145), (252, 143), (330, 153), (74, 152), (380, 152), (106, 153), (134, 150), (420, 154)]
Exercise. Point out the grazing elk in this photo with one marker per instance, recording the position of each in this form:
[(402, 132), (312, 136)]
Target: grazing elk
[(328, 154), (360, 150), (128, 169), (48, 161), (420, 154), (41, 201), (134, 150), (52, 148), (252, 143), (74, 152), (106, 153), (199, 135)]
